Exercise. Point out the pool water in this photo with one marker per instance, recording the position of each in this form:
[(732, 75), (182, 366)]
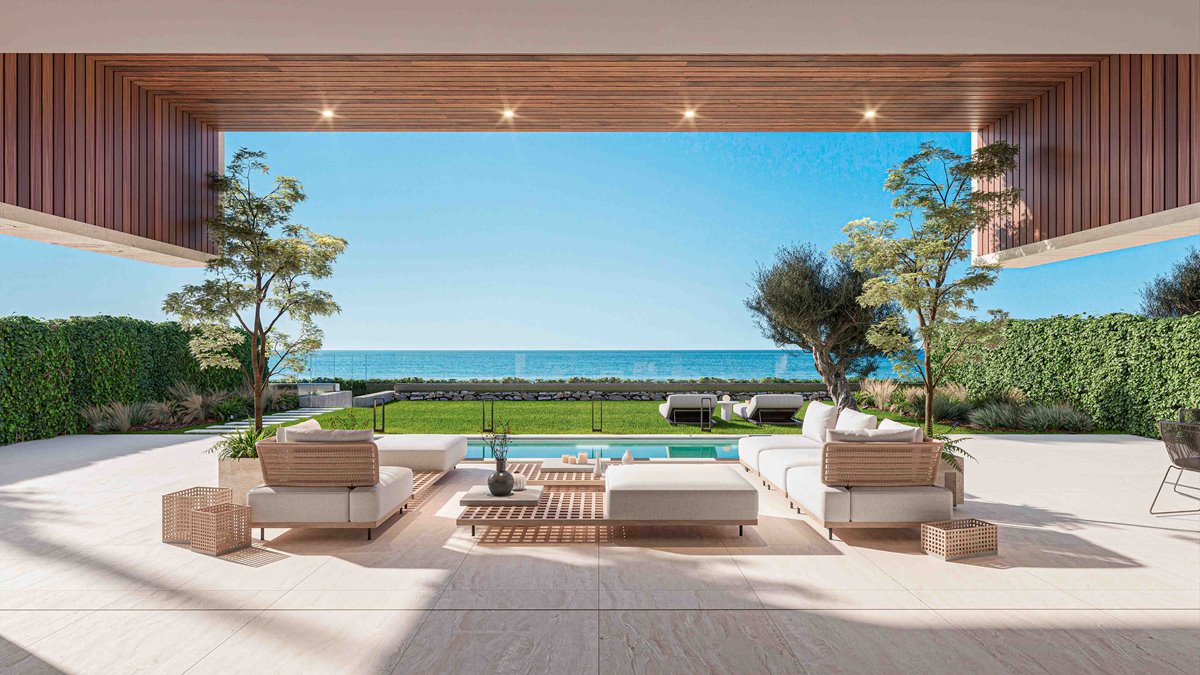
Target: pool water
[(613, 448)]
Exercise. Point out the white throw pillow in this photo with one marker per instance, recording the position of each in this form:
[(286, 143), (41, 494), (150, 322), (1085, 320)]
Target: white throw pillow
[(871, 435), (331, 436), (852, 419), (917, 432), (282, 434), (817, 418)]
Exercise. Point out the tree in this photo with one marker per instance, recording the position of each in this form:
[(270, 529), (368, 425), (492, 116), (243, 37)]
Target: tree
[(922, 267), (1176, 293), (810, 301), (258, 282)]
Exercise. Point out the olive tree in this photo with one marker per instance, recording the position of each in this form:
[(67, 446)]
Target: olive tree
[(1175, 293), (921, 258), (259, 282), (810, 301)]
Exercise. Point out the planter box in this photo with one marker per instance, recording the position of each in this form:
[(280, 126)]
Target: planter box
[(952, 480), (239, 475)]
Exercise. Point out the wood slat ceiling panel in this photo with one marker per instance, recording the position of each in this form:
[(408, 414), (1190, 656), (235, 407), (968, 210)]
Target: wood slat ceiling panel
[(236, 92)]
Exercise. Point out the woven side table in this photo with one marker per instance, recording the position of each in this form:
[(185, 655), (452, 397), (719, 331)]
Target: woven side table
[(221, 528), (177, 510), (958, 539)]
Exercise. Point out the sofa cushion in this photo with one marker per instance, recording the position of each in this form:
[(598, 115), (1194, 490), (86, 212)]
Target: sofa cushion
[(905, 435), (749, 447), (817, 418), (371, 504), (422, 452), (281, 435), (852, 419), (774, 464), (827, 504), (299, 504), (777, 402), (913, 504), (680, 492), (918, 432), (330, 436)]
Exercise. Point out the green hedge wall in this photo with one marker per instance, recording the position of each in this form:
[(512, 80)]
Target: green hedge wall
[(1126, 371), (51, 369)]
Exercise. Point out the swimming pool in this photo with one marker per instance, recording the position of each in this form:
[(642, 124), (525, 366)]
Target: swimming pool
[(613, 448)]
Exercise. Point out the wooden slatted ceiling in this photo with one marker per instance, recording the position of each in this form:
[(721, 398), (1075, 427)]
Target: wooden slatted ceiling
[(1117, 141), (81, 141), (596, 93)]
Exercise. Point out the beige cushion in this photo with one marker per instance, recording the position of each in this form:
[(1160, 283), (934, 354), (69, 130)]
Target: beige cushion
[(751, 447), (906, 435), (773, 402), (422, 452), (823, 502), (774, 464), (299, 504), (330, 436), (817, 418), (679, 492), (282, 434), (918, 432), (371, 504), (911, 504), (852, 419)]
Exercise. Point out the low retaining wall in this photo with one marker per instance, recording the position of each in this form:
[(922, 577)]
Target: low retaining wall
[(333, 399)]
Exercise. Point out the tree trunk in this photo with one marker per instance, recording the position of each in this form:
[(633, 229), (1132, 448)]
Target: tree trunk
[(835, 381), (258, 404), (928, 393)]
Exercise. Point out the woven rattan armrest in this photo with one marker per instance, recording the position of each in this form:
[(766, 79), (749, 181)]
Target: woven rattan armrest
[(878, 464), (318, 464)]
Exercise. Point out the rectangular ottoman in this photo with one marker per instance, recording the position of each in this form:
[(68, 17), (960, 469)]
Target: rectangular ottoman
[(421, 452), (679, 493)]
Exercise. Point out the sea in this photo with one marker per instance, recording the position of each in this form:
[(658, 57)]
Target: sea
[(562, 364)]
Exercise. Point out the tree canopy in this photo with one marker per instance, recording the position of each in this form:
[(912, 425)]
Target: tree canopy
[(1174, 293)]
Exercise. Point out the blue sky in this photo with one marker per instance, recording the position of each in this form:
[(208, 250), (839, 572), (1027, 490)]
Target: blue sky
[(568, 241)]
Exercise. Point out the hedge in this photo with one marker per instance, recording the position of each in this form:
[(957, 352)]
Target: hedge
[(1126, 371), (51, 369)]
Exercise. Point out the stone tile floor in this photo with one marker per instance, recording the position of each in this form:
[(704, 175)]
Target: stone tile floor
[(1086, 580)]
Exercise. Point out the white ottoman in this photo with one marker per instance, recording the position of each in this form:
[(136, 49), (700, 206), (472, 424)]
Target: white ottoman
[(421, 452), (680, 493)]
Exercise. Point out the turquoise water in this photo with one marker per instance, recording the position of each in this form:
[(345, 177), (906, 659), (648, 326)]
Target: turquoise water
[(614, 448), (562, 364)]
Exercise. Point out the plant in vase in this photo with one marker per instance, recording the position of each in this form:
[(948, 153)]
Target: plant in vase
[(237, 461), (501, 482)]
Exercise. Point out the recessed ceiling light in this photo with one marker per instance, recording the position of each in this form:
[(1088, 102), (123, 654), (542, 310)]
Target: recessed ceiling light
[(508, 114), (327, 114), (689, 114), (869, 114)]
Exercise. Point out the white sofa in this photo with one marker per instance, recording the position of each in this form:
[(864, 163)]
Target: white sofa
[(422, 452), (804, 468)]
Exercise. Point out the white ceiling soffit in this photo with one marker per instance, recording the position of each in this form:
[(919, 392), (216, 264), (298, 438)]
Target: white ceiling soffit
[(602, 26)]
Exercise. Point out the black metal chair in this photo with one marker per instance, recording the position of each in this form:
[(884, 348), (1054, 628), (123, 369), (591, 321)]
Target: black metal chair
[(1183, 445)]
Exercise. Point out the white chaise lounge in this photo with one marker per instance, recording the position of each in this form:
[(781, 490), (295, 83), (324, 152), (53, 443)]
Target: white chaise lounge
[(771, 409), (689, 409), (855, 475)]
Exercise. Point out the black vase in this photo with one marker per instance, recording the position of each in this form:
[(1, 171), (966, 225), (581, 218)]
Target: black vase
[(500, 483)]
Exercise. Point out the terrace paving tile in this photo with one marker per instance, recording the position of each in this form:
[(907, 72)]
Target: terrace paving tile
[(692, 641)]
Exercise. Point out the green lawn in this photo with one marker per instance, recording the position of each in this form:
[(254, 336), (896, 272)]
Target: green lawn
[(548, 417)]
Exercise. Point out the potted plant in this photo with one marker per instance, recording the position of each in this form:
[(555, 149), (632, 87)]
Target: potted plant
[(951, 470), (501, 482), (237, 461)]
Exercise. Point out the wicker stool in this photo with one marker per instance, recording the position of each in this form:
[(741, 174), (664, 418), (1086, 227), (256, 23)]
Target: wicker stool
[(958, 539), (177, 510), (221, 528)]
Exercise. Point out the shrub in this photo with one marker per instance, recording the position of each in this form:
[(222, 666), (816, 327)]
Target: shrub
[(879, 393), (160, 412), (1126, 372), (996, 415), (114, 417), (233, 407), (948, 404), (241, 444), (286, 400), (1057, 417)]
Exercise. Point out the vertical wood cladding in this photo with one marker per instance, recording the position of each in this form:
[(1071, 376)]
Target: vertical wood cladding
[(82, 142), (1117, 141)]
